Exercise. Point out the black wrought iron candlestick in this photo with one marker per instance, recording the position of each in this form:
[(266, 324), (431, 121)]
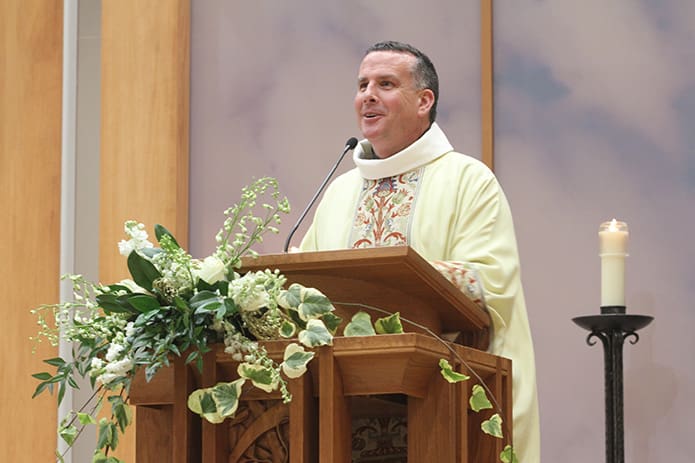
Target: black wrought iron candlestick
[(612, 327)]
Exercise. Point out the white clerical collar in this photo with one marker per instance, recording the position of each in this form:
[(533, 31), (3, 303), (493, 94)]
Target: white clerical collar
[(431, 145)]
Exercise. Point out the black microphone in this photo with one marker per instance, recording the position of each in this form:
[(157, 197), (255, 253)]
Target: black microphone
[(349, 145)]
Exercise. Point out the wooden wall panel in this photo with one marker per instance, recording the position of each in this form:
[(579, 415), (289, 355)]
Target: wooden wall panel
[(144, 127), (30, 152)]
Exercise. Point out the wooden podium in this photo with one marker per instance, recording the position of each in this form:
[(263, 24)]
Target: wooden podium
[(377, 375)]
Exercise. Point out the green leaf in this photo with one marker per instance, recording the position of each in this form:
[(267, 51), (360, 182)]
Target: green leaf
[(105, 436), (56, 362), (291, 298), (360, 325), (142, 271), (449, 374), (493, 426), (479, 400), (227, 396), (295, 360), (201, 402), (160, 231), (332, 322), (86, 418), (203, 297), (111, 304), (68, 434), (389, 325), (316, 334), (314, 304), (508, 455), (287, 329), (261, 377), (230, 306), (144, 303), (42, 376)]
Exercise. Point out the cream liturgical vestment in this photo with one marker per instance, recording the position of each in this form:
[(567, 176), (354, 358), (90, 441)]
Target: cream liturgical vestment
[(449, 207)]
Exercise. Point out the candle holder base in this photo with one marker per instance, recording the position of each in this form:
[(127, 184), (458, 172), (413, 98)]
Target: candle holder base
[(617, 309), (612, 327)]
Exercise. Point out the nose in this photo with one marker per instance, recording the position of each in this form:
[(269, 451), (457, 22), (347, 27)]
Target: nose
[(368, 93)]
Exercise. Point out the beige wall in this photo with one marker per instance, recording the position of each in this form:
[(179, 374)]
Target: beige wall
[(30, 147), (144, 128)]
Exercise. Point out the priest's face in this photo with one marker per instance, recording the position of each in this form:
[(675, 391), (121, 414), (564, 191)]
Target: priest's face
[(391, 111)]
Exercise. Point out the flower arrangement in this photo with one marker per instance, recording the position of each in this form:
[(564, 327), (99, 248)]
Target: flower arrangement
[(177, 305)]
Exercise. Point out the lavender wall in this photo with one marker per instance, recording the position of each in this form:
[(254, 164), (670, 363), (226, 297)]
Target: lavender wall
[(595, 104)]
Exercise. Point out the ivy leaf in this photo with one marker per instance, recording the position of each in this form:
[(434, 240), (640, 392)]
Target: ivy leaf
[(449, 374), (316, 334), (201, 402), (360, 325), (144, 303), (313, 304), (508, 455), (493, 426), (290, 298), (295, 360), (287, 329), (105, 434), (389, 325), (86, 418), (227, 396), (332, 322), (142, 271), (121, 411), (261, 377), (68, 434), (479, 400), (160, 231)]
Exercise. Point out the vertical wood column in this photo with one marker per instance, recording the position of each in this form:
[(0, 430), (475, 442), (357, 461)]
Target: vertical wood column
[(31, 33), (144, 128)]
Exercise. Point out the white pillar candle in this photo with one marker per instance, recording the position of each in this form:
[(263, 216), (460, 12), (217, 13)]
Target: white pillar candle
[(613, 238)]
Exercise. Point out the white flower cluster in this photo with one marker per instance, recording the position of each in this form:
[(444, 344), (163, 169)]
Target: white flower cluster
[(138, 238), (117, 363), (249, 292)]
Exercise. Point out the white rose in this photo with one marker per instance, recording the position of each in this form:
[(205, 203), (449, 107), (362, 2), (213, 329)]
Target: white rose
[(211, 270)]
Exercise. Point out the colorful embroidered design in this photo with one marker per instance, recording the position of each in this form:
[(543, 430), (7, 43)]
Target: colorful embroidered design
[(384, 211), (464, 278)]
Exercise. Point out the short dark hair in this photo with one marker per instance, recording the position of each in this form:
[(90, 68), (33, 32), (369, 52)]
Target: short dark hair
[(424, 73)]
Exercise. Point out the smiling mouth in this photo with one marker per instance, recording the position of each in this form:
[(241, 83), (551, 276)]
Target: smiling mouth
[(370, 115)]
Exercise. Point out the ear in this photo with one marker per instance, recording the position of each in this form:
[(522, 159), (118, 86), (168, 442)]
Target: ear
[(426, 101)]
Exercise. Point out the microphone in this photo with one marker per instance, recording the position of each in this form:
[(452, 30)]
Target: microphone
[(349, 145)]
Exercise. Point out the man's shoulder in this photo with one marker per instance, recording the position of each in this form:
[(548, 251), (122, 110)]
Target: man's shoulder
[(457, 163)]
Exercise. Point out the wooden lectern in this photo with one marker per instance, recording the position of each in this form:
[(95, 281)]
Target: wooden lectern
[(381, 374)]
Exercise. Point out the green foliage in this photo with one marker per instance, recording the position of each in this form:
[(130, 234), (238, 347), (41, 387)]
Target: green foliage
[(295, 360), (508, 456), (316, 334), (449, 374), (493, 426), (479, 400), (177, 306), (389, 325), (360, 325), (261, 376)]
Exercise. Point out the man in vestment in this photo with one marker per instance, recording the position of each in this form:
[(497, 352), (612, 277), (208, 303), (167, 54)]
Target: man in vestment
[(410, 187)]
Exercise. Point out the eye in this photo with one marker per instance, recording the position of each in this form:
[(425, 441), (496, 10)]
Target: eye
[(386, 84)]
